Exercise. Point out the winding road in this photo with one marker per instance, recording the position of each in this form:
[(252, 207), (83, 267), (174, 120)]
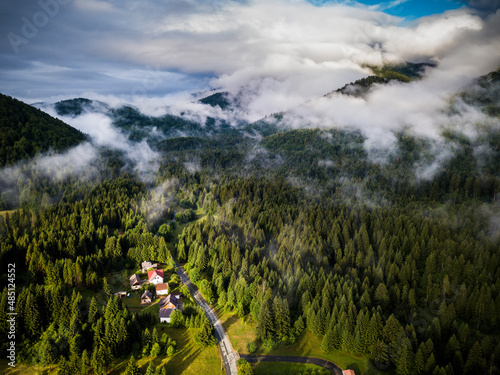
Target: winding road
[(254, 358), (229, 356)]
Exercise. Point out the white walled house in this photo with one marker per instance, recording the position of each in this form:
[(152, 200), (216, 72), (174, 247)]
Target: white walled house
[(167, 306), (155, 277), (162, 289)]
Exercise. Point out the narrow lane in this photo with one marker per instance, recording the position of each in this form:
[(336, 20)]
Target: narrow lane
[(255, 358), (229, 356)]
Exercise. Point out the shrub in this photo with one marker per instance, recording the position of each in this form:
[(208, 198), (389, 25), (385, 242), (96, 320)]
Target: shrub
[(251, 347)]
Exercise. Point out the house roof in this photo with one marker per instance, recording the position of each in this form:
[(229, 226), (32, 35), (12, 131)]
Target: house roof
[(154, 273), (348, 372), (147, 294), (135, 279), (165, 313), (166, 300), (160, 287), (148, 264)]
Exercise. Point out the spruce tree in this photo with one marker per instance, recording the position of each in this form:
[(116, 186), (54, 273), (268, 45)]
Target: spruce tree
[(405, 359), (205, 337), (299, 325), (154, 336), (93, 311), (328, 342), (155, 350), (132, 368), (265, 325), (151, 370), (475, 364), (98, 361), (382, 296), (105, 287)]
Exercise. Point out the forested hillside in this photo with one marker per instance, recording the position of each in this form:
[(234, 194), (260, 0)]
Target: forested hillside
[(391, 259), (26, 131), (382, 75)]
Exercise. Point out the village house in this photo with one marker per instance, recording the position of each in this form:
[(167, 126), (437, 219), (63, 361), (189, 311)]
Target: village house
[(135, 282), (161, 289), (167, 306), (155, 277), (348, 372), (146, 265), (146, 297)]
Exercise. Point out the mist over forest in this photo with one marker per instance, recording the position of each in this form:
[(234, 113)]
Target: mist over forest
[(328, 175)]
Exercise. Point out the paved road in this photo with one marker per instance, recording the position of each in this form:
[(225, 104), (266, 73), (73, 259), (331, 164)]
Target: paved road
[(254, 358), (228, 354)]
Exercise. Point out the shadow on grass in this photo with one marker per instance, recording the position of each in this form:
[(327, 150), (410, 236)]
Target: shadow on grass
[(354, 367), (230, 321), (120, 368), (183, 359), (156, 363), (299, 347)]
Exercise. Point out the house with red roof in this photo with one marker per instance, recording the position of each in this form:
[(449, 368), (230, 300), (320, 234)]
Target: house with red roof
[(155, 276)]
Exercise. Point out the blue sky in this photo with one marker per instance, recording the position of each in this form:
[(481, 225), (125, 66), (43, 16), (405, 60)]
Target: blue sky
[(416, 8), (409, 9)]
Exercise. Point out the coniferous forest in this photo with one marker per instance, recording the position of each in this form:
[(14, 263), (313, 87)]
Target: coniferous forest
[(394, 258)]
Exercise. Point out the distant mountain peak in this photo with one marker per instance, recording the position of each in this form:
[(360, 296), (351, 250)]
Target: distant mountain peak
[(77, 106), (219, 99), (405, 72)]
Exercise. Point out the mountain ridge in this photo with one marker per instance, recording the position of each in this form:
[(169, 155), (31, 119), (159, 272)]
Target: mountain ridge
[(27, 130)]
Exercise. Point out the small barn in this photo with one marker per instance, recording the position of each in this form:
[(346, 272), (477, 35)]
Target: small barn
[(135, 282), (146, 265), (146, 297)]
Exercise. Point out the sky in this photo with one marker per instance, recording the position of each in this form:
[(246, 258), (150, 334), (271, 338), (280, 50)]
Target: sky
[(409, 9), (58, 49)]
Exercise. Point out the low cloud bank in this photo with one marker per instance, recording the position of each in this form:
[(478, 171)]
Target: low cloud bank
[(271, 56)]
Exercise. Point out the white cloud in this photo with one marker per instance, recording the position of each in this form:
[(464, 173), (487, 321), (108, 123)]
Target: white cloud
[(99, 127), (272, 56), (76, 161)]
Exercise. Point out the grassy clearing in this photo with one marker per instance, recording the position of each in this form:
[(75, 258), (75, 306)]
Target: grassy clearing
[(134, 304), (240, 333), (283, 368), (307, 345), (118, 281), (10, 212), (189, 359), (22, 369)]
